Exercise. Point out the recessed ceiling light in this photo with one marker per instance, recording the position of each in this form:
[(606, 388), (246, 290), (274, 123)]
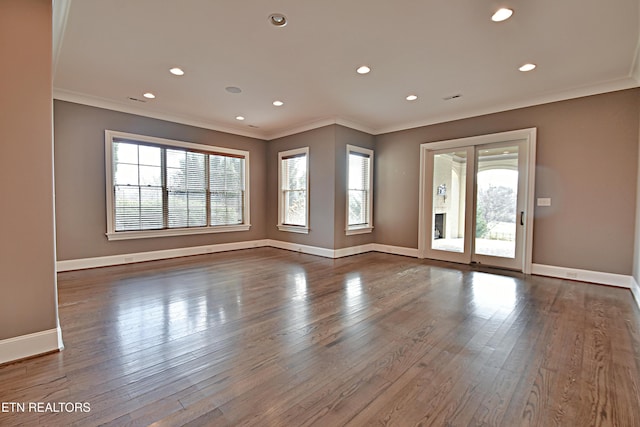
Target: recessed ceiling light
[(502, 15), (148, 95), (233, 89), (412, 97), (278, 19), (527, 67), (363, 69), (278, 103), (239, 118), (177, 71)]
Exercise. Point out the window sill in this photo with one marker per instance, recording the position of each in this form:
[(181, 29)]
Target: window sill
[(128, 235), (294, 228), (359, 230)]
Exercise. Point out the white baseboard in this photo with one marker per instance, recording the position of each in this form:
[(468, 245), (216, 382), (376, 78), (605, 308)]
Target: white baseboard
[(635, 290), (343, 252), (304, 249), (30, 345), (611, 279), (80, 264), (105, 261), (354, 250), (396, 250)]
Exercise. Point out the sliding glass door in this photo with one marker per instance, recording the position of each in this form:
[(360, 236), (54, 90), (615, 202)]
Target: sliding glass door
[(475, 198)]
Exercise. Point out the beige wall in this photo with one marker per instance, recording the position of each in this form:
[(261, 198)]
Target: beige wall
[(344, 136), (321, 143), (80, 180), (327, 179), (587, 163), (27, 251)]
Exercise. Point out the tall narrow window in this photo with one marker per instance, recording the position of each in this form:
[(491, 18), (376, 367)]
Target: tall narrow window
[(158, 187), (359, 190), (293, 197)]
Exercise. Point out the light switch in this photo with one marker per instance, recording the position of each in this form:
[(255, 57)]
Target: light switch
[(544, 201)]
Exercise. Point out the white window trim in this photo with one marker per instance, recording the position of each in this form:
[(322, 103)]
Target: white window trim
[(360, 228), (112, 234), (287, 227)]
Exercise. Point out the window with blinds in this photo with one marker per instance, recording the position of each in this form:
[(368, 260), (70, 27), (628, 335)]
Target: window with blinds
[(294, 190), (359, 190), (159, 187)]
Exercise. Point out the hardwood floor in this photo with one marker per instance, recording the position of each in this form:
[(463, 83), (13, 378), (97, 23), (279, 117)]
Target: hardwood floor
[(268, 337)]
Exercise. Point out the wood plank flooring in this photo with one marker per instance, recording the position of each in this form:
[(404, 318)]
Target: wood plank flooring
[(266, 337)]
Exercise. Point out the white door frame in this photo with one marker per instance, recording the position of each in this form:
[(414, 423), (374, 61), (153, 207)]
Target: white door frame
[(425, 201)]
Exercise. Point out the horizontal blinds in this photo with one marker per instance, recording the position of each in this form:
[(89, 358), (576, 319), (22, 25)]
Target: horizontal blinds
[(293, 156), (207, 152), (294, 188), (294, 170), (359, 192), (186, 189), (138, 187), (226, 183), (158, 187)]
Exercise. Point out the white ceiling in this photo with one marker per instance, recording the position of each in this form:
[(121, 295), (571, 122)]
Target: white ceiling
[(111, 50)]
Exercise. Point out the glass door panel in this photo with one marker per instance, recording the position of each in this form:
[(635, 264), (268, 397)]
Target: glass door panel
[(449, 201), (496, 201), (499, 204), (448, 198)]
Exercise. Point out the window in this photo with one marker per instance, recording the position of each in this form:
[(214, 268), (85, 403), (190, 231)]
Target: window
[(293, 197), (359, 190), (158, 187)]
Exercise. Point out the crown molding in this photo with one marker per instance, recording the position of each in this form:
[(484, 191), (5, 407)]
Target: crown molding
[(94, 101), (318, 124), (632, 81), (60, 14), (609, 86), (355, 126)]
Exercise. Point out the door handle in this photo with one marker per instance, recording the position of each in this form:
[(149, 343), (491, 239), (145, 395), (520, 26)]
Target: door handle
[(521, 217)]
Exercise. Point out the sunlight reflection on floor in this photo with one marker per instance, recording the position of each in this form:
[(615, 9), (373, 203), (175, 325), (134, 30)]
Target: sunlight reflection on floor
[(491, 293)]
